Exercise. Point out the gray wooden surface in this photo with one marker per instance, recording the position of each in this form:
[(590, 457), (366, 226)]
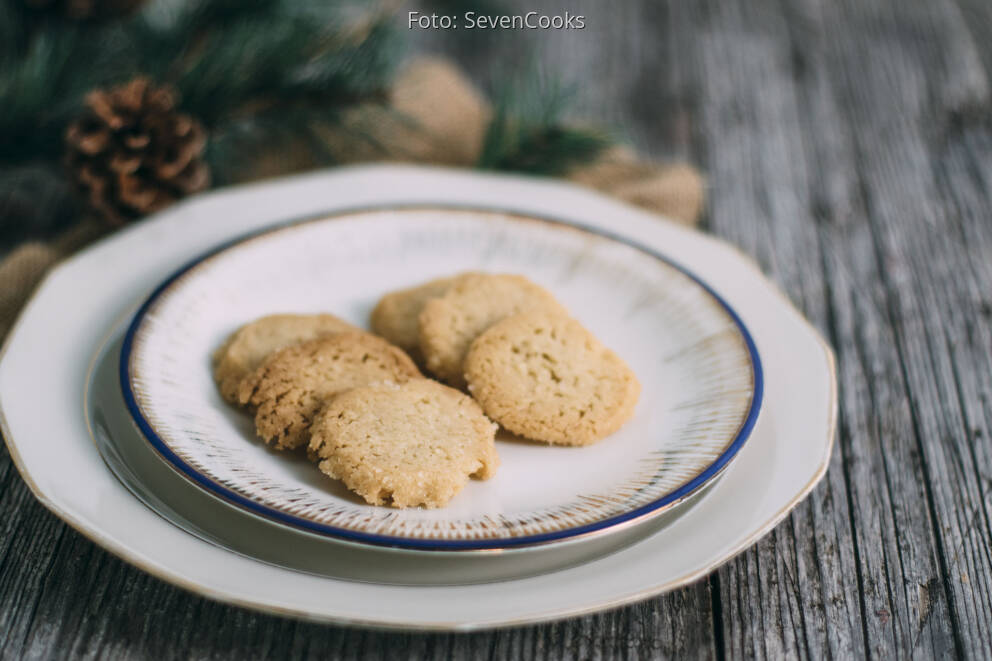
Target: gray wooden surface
[(848, 146)]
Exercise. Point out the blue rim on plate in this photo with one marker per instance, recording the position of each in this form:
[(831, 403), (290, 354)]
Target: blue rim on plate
[(654, 507)]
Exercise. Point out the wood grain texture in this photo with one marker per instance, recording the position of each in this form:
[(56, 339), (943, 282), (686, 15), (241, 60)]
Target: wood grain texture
[(848, 147)]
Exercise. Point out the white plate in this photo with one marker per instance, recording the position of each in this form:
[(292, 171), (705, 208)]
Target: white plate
[(699, 371), (44, 367)]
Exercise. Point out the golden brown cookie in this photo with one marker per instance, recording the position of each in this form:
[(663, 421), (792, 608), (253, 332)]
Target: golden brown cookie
[(546, 377), (291, 385), (405, 445), (395, 315), (448, 324), (246, 348)]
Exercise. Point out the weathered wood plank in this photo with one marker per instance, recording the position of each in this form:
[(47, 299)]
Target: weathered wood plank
[(765, 197), (900, 105), (769, 176)]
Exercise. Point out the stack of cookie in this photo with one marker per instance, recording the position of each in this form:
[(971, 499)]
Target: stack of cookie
[(360, 405), (369, 417)]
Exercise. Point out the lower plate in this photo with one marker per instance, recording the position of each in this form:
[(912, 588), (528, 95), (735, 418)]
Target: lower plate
[(50, 348)]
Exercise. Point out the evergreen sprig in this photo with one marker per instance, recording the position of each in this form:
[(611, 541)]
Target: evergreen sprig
[(529, 132), (42, 88), (257, 73), (229, 59)]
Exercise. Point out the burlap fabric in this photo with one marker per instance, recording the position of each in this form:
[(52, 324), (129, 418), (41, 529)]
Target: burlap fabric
[(435, 116)]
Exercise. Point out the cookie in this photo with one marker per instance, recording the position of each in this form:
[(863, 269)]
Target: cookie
[(405, 445), (290, 386), (547, 378), (395, 315), (246, 348), (448, 324)]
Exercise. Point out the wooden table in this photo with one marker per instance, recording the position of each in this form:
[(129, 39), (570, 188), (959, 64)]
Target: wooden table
[(848, 146)]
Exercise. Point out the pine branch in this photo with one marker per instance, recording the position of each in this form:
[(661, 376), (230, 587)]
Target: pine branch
[(275, 51), (529, 134), (259, 73), (41, 90)]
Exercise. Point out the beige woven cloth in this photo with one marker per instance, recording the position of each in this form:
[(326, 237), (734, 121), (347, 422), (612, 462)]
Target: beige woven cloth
[(435, 116)]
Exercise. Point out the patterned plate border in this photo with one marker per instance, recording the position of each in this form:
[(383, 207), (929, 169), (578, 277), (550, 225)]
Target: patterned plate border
[(655, 507)]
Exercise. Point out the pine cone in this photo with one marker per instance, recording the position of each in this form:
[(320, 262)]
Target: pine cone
[(132, 153), (82, 10)]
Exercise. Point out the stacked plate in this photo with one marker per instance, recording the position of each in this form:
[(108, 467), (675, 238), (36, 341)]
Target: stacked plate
[(132, 445)]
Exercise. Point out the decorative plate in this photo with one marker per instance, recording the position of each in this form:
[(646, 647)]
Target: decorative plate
[(699, 368), (50, 349)]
